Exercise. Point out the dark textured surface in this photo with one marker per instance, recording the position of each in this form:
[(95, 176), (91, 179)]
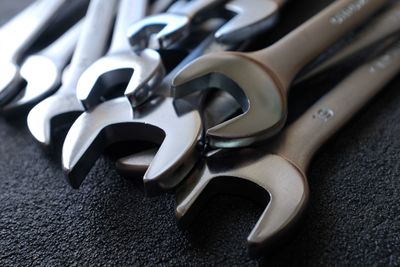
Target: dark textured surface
[(353, 217)]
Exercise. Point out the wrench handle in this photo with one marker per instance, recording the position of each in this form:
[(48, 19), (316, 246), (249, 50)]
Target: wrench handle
[(193, 8), (160, 6), (130, 11), (385, 26), (19, 33), (92, 40), (62, 49), (305, 136), (289, 55)]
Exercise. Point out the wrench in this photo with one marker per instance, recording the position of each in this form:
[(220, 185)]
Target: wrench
[(277, 172), (158, 121), (17, 36), (142, 72), (136, 165), (43, 81), (252, 17), (160, 6), (95, 130), (62, 106), (176, 23), (261, 80), (387, 25)]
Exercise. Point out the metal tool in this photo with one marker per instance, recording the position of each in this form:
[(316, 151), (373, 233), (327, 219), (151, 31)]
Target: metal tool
[(157, 121), (386, 25), (94, 130), (136, 165), (120, 66), (17, 36), (260, 80), (160, 6), (171, 26), (42, 72), (63, 106), (276, 172), (176, 23)]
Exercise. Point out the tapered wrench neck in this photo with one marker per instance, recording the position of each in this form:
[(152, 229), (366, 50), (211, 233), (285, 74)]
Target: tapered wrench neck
[(61, 50), (192, 8), (130, 11), (303, 138), (92, 41), (287, 57), (25, 27)]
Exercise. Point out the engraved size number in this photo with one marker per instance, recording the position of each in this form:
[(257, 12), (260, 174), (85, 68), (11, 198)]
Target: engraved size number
[(324, 114)]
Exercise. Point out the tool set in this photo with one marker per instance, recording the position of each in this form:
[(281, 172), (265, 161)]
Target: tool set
[(216, 119)]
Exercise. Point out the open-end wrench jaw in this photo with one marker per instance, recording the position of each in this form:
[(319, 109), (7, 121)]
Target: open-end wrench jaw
[(51, 113), (115, 121), (250, 18), (270, 178), (141, 73), (9, 80), (253, 86), (37, 86), (168, 28)]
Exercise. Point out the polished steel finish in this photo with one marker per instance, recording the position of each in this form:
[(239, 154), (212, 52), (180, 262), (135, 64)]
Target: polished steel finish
[(42, 72), (383, 27), (172, 124), (261, 80), (276, 173), (17, 36), (63, 106), (252, 17), (171, 26), (121, 68), (115, 121)]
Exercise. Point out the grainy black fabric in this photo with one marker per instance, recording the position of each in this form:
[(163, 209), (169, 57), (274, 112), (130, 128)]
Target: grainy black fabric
[(353, 217)]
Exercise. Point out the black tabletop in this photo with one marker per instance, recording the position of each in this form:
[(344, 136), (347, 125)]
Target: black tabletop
[(353, 217)]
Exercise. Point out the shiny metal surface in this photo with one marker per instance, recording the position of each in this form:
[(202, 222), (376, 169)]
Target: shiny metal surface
[(275, 173), (223, 106), (121, 67), (42, 72), (175, 126), (53, 111), (115, 121), (171, 26), (16, 37), (260, 80), (251, 17), (382, 27)]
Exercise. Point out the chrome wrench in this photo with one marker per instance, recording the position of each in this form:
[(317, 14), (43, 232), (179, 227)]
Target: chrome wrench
[(60, 108), (276, 173), (42, 72), (95, 130), (17, 36), (121, 66), (385, 26), (260, 80)]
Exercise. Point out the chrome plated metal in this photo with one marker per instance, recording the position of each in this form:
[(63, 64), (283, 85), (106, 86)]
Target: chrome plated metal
[(252, 17), (42, 72), (17, 36), (121, 69), (275, 174), (260, 80), (63, 106), (100, 130)]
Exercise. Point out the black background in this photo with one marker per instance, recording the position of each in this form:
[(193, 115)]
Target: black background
[(353, 217)]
